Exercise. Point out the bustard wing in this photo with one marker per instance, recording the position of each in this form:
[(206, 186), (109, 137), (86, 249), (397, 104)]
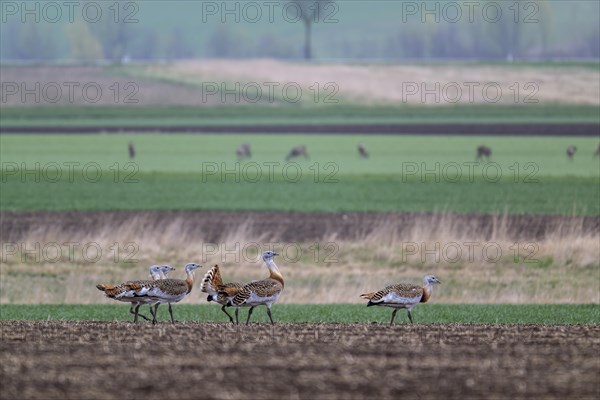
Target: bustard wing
[(264, 289), (164, 289), (402, 293), (228, 291), (118, 291)]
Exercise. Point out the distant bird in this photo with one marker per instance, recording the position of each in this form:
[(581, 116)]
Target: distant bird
[(220, 292), (243, 151), (571, 152), (403, 295), (131, 149), (167, 291), (116, 291), (297, 152), (483, 151), (264, 292), (597, 153), (362, 151)]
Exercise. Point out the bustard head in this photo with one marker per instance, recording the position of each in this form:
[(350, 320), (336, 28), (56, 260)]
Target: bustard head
[(166, 269), (155, 271), (430, 280), (268, 255), (190, 267)]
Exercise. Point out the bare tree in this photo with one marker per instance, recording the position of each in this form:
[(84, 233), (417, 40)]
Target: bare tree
[(483, 151), (311, 11), (297, 152), (571, 152)]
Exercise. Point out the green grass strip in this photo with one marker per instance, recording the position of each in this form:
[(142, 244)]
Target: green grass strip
[(335, 313)]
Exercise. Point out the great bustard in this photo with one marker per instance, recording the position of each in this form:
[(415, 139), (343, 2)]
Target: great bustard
[(264, 292), (483, 151), (403, 295), (167, 291), (362, 150), (297, 152), (220, 292), (131, 149), (243, 151), (571, 152), (116, 291)]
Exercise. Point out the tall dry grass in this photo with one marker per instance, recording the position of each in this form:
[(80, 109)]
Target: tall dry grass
[(380, 83), (495, 267)]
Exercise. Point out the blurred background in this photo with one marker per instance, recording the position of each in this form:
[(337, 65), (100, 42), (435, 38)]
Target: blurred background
[(369, 142), (349, 31)]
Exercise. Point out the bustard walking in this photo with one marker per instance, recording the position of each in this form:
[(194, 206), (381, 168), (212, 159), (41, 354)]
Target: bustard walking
[(483, 151), (571, 152), (264, 292), (403, 295), (131, 149), (116, 291), (167, 291), (243, 151), (597, 153), (297, 152), (362, 150), (220, 292)]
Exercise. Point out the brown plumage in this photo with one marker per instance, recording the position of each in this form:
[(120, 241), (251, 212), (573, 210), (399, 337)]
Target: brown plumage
[(220, 292), (403, 295), (265, 292)]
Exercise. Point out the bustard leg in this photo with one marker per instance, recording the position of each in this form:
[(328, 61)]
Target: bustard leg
[(270, 316), (171, 312), (155, 313), (131, 310), (225, 311), (237, 320), (249, 314), (409, 315), (137, 312), (393, 316)]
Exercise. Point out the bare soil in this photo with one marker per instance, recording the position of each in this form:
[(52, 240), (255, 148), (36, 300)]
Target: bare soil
[(93, 86), (300, 226), (118, 360)]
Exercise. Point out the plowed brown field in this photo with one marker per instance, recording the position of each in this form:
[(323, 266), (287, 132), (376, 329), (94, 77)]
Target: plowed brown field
[(117, 360)]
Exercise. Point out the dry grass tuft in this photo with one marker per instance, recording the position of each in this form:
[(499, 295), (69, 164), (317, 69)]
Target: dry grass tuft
[(494, 267)]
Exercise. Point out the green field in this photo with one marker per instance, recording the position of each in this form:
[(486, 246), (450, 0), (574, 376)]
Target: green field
[(200, 172), (341, 313), (290, 114)]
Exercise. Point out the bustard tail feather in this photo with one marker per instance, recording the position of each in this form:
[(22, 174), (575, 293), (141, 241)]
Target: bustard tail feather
[(368, 296), (104, 287), (211, 281), (110, 290)]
